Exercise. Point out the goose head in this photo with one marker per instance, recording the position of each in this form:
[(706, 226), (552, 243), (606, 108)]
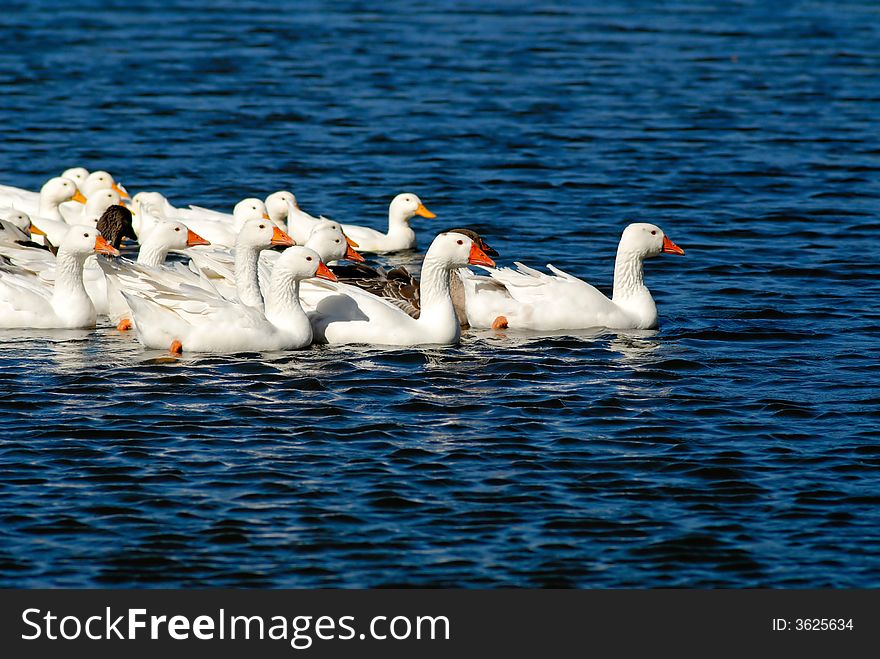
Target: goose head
[(173, 235), (144, 203), (115, 224), (98, 202), (261, 234), (250, 209), (101, 180), (302, 263), (456, 250), (58, 190), (276, 206), (82, 240), (405, 206), (18, 219), (333, 225), (148, 198), (644, 240), (328, 240), (477, 238), (9, 232), (76, 174)]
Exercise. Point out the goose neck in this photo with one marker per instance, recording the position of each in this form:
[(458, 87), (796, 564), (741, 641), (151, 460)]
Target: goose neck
[(629, 275), (152, 254), (398, 221), (630, 292), (49, 209), (247, 276), (69, 286), (283, 308), (434, 288)]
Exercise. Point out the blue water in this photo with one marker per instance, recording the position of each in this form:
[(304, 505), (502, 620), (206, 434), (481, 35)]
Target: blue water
[(736, 446)]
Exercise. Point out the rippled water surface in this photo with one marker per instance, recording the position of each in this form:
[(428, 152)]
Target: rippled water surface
[(736, 446)]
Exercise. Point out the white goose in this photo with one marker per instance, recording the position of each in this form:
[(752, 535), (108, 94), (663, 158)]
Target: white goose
[(346, 314), (400, 235), (25, 302), (197, 321), (528, 299)]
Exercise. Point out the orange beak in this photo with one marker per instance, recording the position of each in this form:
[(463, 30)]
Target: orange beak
[(352, 255), (478, 257), (670, 247), (37, 231), (424, 212), (324, 272), (103, 247), (193, 239), (266, 216), (350, 242), (281, 238), (118, 189), (78, 196)]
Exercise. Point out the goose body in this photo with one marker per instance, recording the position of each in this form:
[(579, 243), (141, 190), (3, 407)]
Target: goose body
[(165, 237), (346, 314), (525, 298)]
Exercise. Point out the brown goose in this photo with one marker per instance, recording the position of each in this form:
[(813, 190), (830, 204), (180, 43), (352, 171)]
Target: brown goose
[(399, 285)]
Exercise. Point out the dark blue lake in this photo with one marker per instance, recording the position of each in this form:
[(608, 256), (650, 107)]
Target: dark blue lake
[(736, 446)]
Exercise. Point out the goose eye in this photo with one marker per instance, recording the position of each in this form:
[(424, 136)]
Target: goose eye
[(460, 242), (177, 228), (653, 233), (308, 258), (337, 241), (85, 235)]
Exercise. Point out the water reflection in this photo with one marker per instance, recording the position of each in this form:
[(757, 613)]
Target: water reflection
[(635, 347)]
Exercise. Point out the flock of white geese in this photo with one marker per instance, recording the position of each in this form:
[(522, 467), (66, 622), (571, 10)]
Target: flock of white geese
[(268, 275)]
